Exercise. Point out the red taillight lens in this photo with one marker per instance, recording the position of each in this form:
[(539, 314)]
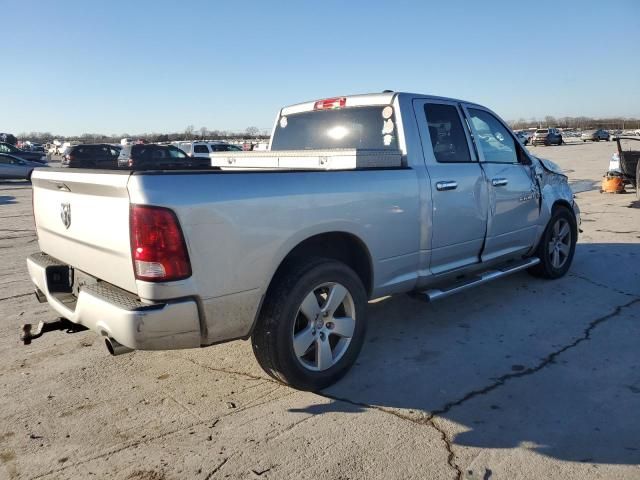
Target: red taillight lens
[(330, 103), (157, 245)]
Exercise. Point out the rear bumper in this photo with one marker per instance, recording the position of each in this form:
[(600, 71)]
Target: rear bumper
[(115, 313)]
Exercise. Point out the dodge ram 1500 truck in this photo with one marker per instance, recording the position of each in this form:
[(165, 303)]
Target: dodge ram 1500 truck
[(358, 197)]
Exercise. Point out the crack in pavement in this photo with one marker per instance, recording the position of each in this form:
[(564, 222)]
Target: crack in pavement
[(549, 359), (16, 296), (144, 441), (217, 469), (500, 381), (603, 285)]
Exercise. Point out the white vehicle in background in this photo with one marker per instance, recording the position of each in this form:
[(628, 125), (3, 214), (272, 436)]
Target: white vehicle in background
[(66, 146), (203, 148), (261, 146)]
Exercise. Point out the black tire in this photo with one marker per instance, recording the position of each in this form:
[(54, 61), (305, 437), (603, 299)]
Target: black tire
[(29, 176), (272, 338), (545, 268)]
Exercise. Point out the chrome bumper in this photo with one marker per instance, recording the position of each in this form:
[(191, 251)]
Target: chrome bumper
[(120, 315)]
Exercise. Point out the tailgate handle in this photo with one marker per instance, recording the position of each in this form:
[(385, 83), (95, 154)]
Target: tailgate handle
[(63, 187)]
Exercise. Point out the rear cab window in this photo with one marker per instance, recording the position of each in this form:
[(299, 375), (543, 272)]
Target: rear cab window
[(368, 127)]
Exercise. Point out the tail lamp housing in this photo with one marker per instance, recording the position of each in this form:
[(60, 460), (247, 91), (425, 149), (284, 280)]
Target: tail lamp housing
[(158, 249)]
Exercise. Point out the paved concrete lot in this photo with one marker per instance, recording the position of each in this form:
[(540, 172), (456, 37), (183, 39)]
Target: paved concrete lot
[(521, 378)]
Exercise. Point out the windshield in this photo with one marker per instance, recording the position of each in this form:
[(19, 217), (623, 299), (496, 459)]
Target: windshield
[(542, 131), (356, 127)]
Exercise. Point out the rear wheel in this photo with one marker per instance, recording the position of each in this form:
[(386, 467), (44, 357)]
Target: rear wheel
[(312, 325), (557, 245)]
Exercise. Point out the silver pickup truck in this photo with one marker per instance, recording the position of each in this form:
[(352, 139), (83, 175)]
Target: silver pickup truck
[(358, 197)]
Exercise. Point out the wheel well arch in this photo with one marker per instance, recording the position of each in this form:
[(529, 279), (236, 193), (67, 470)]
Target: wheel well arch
[(561, 203), (342, 246)]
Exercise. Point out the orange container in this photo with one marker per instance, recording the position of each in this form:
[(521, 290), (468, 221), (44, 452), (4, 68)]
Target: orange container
[(611, 184)]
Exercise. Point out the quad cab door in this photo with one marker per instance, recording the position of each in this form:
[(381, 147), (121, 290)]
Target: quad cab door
[(459, 196), (514, 195)]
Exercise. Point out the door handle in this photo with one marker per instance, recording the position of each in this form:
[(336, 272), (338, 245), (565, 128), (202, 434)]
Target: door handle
[(447, 185), (499, 182)]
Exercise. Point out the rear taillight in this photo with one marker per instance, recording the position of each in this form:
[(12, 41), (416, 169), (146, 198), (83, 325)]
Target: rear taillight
[(330, 103), (157, 246)]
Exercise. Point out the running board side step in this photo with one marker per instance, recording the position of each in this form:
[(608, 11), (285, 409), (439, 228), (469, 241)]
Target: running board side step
[(479, 279)]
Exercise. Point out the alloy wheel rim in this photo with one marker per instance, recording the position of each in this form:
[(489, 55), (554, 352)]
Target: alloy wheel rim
[(559, 246), (324, 326)]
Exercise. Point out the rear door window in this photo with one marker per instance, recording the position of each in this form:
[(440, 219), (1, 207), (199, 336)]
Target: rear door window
[(493, 138), (175, 152), (200, 149), (448, 138)]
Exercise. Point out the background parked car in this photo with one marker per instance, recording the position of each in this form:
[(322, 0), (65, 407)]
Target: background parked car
[(161, 157), (547, 136), (202, 149), (524, 139), (16, 152), (596, 136), (16, 167), (99, 155)]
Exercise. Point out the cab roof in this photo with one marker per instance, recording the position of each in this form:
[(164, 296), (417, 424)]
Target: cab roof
[(359, 100)]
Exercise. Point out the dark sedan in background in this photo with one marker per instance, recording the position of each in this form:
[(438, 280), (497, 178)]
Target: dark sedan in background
[(96, 155), (161, 157), (9, 149)]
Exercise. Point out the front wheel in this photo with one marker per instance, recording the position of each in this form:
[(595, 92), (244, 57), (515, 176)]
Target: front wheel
[(312, 324), (557, 245)]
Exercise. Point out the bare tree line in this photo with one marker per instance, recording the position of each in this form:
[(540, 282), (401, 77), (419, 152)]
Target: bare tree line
[(582, 123), (189, 133)]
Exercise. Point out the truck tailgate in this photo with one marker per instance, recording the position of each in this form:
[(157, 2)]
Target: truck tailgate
[(82, 219)]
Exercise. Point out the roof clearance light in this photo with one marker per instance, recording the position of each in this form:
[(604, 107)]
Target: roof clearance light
[(330, 103)]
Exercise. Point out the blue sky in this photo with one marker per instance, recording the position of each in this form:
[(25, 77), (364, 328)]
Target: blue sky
[(114, 66)]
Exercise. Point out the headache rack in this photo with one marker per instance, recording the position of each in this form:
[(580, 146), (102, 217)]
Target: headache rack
[(328, 159)]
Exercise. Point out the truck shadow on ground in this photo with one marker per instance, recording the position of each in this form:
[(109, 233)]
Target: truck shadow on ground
[(579, 186), (551, 366)]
